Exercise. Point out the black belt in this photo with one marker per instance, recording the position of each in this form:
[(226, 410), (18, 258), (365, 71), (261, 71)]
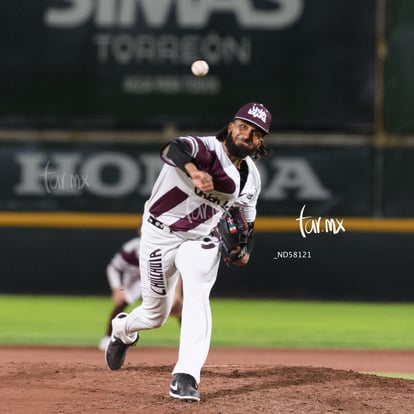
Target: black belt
[(158, 224)]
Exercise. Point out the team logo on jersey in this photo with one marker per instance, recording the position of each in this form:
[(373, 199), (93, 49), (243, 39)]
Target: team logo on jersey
[(211, 198)]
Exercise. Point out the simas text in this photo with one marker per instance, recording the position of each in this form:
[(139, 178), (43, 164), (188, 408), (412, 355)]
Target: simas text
[(293, 254)]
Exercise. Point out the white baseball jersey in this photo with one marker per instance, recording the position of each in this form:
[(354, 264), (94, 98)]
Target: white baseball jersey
[(175, 201), (187, 247), (123, 271)]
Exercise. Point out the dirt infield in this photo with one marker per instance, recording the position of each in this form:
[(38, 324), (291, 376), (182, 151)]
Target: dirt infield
[(75, 380)]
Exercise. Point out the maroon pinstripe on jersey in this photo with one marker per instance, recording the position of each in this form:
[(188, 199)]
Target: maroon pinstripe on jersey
[(177, 203), (194, 218), (130, 256), (207, 160), (168, 201)]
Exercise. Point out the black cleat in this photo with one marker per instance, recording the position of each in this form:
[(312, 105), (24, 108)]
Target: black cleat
[(115, 352), (184, 387)]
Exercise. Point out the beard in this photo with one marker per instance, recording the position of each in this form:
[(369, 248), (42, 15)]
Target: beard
[(237, 151)]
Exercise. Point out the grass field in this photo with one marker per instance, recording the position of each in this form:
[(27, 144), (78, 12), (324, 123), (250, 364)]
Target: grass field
[(80, 321)]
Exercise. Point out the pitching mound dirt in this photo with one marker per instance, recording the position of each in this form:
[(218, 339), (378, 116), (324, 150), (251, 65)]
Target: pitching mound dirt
[(75, 380)]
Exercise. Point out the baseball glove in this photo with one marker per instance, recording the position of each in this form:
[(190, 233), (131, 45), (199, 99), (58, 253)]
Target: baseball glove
[(234, 235)]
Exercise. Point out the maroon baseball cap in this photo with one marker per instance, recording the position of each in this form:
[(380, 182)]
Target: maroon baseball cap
[(257, 114)]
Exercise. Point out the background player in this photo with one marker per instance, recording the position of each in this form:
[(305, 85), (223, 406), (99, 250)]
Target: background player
[(202, 177), (124, 279)]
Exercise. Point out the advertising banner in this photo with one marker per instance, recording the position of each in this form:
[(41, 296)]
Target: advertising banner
[(313, 185), (126, 63), (119, 177)]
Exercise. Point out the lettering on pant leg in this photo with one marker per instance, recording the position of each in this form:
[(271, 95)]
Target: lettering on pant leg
[(156, 274)]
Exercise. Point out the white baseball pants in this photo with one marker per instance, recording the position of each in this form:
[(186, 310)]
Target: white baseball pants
[(163, 256)]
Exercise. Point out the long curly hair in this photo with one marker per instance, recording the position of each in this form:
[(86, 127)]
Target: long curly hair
[(261, 152)]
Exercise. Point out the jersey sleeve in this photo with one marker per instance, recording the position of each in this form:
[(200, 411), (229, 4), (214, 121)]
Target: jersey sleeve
[(250, 194), (177, 153), (187, 149)]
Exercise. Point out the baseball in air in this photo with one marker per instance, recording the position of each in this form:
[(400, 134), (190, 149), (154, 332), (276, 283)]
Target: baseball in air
[(199, 68)]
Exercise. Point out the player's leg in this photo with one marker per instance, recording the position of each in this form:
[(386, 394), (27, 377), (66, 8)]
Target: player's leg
[(115, 311), (154, 310), (132, 292), (157, 262), (178, 300), (198, 264), (157, 254), (152, 313)]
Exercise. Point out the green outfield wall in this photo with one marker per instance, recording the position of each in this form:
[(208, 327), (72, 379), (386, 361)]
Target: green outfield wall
[(333, 221), (355, 265)]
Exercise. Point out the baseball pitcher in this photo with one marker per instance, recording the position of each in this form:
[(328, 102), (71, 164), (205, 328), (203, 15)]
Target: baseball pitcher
[(202, 206)]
